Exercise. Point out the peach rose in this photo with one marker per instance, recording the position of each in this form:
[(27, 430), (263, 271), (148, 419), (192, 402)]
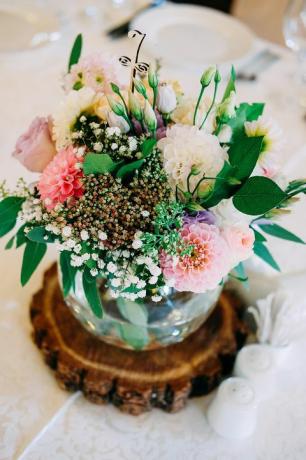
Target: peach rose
[(35, 148), (240, 239)]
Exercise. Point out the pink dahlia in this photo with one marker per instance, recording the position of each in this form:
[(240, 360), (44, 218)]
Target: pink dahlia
[(205, 267), (61, 180)]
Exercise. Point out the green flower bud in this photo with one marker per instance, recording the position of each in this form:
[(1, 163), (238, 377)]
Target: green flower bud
[(135, 107), (140, 88), (116, 106), (115, 88), (217, 77), (152, 77), (150, 117), (207, 76), (195, 170), (193, 206)]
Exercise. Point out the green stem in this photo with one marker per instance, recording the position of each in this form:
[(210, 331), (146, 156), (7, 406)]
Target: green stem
[(127, 119), (154, 96), (211, 105), (198, 103), (303, 190)]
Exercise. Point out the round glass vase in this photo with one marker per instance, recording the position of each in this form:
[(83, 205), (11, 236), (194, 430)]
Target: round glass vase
[(144, 325)]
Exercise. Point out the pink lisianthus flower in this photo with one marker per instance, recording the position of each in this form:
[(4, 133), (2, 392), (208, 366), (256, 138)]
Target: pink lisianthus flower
[(35, 148), (205, 268), (61, 180), (240, 239), (96, 71)]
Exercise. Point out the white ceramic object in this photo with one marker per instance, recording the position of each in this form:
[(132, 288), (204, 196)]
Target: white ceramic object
[(233, 411), (258, 363), (188, 35)]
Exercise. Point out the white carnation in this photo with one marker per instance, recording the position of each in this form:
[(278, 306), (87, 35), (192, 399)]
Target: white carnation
[(186, 147)]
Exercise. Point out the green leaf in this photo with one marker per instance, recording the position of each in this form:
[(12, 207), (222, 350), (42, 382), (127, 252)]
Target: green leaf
[(263, 252), (222, 187), (32, 256), (68, 272), (240, 272), (21, 236), (136, 336), (9, 209), (136, 313), (10, 243), (76, 51), (92, 293), (147, 147), (244, 112), (258, 195), (129, 168), (244, 154), (40, 235), (258, 236), (99, 163), (280, 232), (230, 85)]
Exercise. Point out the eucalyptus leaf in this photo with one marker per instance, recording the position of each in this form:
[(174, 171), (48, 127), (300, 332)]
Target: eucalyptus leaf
[(21, 236), (263, 252), (136, 336), (136, 313), (99, 163), (244, 155), (9, 209), (258, 195), (280, 232), (75, 51), (68, 272), (92, 294), (40, 235), (10, 243), (32, 256)]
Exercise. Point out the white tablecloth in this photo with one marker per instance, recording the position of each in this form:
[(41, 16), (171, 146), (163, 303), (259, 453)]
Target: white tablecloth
[(40, 421)]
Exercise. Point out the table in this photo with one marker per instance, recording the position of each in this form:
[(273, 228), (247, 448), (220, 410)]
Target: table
[(40, 421)]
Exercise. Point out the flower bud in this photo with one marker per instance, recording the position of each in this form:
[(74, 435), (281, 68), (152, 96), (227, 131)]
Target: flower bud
[(166, 99), (207, 76), (140, 88), (227, 108), (135, 107), (152, 78), (116, 106), (115, 88), (195, 170), (116, 121), (150, 117), (217, 77)]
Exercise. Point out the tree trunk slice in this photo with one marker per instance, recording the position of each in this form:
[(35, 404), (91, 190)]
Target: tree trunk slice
[(135, 381)]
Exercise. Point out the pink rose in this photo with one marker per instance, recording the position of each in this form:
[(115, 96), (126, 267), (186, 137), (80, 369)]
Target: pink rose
[(240, 239), (35, 148)]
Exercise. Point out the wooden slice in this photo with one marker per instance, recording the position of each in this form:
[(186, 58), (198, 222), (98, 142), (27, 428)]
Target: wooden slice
[(135, 381)]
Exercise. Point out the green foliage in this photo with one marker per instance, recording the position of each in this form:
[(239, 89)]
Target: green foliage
[(10, 243), (230, 85), (92, 294), (128, 169), (259, 237), (224, 187), (32, 256), (244, 155), (75, 51), (99, 163), (9, 209), (21, 236), (258, 195), (280, 232), (244, 112), (137, 337), (135, 312), (68, 272), (263, 252), (40, 235)]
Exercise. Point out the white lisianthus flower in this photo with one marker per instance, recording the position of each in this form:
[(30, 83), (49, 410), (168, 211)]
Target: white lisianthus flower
[(225, 134), (227, 108), (72, 106), (227, 215), (187, 147), (117, 121), (269, 162), (183, 114), (166, 98)]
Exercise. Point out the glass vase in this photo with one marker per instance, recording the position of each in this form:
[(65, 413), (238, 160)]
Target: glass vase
[(144, 325)]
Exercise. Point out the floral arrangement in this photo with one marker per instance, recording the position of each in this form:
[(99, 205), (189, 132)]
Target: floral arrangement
[(145, 187)]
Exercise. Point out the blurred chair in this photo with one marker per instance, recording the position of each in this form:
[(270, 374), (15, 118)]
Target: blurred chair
[(263, 16)]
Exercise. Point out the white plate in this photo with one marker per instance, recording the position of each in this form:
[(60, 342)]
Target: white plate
[(26, 26), (188, 34)]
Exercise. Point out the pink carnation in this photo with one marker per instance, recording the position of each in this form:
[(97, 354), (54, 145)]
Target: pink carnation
[(240, 239), (96, 71), (205, 267), (61, 180)]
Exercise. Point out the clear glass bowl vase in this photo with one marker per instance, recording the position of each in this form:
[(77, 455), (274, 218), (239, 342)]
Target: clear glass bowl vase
[(147, 325)]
